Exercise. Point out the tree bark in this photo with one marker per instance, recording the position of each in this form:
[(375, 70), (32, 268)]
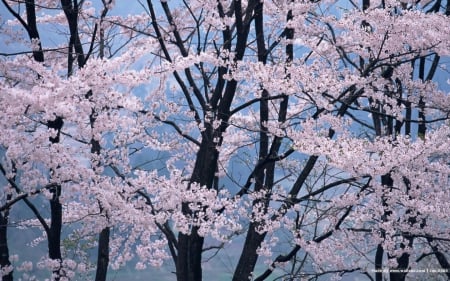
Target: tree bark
[(32, 30), (379, 263), (54, 233), (4, 249), (190, 246), (189, 261), (102, 255), (71, 12), (249, 256)]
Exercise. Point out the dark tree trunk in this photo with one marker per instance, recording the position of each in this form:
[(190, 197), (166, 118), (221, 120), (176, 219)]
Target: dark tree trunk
[(189, 266), (403, 262), (54, 233), (4, 250), (71, 12), (103, 255), (264, 177), (32, 30), (190, 246), (379, 263), (253, 240), (249, 256), (54, 230)]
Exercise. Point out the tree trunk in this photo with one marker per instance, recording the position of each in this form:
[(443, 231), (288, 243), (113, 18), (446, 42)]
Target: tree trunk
[(54, 233), (190, 246), (247, 261), (4, 250), (189, 262), (103, 255), (38, 55), (379, 263)]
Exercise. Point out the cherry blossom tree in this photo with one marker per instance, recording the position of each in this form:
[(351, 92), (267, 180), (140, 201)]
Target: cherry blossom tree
[(310, 137)]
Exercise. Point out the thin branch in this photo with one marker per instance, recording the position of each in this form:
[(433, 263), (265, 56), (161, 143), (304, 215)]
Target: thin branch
[(250, 102), (31, 52), (178, 129)]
